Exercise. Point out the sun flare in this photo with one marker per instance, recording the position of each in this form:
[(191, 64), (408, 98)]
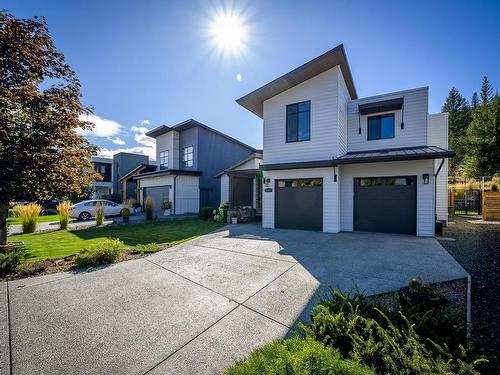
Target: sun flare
[(228, 31)]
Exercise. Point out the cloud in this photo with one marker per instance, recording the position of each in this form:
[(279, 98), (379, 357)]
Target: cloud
[(145, 122), (108, 153), (141, 137), (116, 140), (103, 127)]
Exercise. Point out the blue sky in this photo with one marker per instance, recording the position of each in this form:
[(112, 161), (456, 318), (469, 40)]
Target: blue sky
[(146, 63)]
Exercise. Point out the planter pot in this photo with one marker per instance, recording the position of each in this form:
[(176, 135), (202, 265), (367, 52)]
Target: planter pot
[(166, 212), (234, 220)]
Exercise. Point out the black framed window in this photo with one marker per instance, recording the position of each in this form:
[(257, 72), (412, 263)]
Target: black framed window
[(187, 157), (298, 122), (381, 127), (164, 160)]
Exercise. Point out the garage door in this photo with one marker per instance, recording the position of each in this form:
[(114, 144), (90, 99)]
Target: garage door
[(386, 204), (159, 194), (299, 204)]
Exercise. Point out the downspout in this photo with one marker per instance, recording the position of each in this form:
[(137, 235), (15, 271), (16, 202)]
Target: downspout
[(435, 188), (175, 190)]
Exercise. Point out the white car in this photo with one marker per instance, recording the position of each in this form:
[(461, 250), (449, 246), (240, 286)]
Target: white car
[(86, 210)]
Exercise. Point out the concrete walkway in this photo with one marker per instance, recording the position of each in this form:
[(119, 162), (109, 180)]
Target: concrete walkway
[(198, 307)]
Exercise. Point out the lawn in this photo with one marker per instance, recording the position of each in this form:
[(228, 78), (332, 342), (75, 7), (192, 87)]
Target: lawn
[(61, 243), (41, 219)]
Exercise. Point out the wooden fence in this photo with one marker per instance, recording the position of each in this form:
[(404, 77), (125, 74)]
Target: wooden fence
[(491, 205)]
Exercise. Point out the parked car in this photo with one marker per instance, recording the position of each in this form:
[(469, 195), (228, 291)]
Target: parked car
[(86, 210)]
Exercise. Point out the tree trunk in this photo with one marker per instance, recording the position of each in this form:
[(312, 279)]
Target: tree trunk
[(4, 212)]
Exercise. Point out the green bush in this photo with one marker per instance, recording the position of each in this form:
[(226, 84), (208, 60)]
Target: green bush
[(363, 331), (220, 214), (103, 252), (10, 258), (299, 357), (143, 249), (205, 213), (148, 208), (125, 215), (33, 268)]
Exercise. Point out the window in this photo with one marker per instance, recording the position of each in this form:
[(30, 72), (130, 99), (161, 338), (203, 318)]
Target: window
[(381, 127), (385, 181), (298, 122), (300, 183), (188, 156), (164, 160), (103, 169)]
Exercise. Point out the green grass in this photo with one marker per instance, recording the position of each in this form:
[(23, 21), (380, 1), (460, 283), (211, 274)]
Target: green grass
[(41, 219), (61, 243)]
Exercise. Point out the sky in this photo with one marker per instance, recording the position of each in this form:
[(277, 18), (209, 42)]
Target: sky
[(147, 63)]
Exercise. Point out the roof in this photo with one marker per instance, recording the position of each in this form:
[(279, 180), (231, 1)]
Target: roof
[(167, 172), (256, 154), (188, 124), (373, 156), (139, 168), (254, 101)]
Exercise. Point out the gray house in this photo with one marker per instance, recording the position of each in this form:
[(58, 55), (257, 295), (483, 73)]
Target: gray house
[(189, 155)]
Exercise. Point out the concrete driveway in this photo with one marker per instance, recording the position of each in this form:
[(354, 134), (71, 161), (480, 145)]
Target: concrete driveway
[(198, 307)]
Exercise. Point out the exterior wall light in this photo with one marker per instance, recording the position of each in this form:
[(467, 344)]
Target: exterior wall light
[(267, 181), (425, 176)]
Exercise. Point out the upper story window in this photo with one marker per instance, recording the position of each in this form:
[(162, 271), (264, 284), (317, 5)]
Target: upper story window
[(164, 160), (298, 122), (187, 157), (381, 127)]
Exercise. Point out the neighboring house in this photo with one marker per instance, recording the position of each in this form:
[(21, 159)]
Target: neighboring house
[(129, 187), (188, 156), (112, 171), (335, 162)]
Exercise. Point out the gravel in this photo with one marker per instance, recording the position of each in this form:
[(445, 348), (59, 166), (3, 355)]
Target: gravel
[(477, 249)]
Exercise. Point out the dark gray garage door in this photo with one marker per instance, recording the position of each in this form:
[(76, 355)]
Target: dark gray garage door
[(386, 204), (299, 204), (159, 194)]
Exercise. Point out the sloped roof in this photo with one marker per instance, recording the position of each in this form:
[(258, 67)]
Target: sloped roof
[(255, 155)]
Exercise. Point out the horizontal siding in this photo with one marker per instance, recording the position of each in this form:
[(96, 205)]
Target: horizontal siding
[(331, 213), (322, 91), (425, 193), (437, 135), (415, 122), (344, 98)]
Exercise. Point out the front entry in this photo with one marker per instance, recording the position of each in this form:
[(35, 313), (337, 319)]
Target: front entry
[(299, 204), (386, 204)]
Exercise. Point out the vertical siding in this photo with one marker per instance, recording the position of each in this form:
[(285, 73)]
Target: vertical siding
[(224, 188), (415, 122), (425, 193), (322, 91), (189, 138), (330, 196), (187, 195), (437, 135)]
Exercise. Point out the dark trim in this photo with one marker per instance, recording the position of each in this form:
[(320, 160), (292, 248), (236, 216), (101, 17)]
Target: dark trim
[(254, 101), (297, 165), (380, 106), (393, 115), (384, 155), (166, 172)]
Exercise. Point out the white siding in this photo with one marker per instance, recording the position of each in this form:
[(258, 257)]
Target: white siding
[(168, 142), (425, 193), (253, 163), (343, 99), (330, 196), (437, 135), (224, 188), (415, 122), (322, 91)]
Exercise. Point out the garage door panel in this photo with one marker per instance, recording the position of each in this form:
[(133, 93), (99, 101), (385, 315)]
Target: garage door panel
[(299, 207), (385, 207), (158, 194)]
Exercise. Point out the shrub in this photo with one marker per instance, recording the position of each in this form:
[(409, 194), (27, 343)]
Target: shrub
[(125, 214), (494, 186), (103, 252), (29, 214), (148, 208), (142, 249), (99, 213), (63, 210), (10, 258), (33, 268), (296, 356), (205, 213), (220, 214)]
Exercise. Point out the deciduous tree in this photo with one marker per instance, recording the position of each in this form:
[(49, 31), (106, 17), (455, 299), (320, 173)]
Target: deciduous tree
[(41, 155)]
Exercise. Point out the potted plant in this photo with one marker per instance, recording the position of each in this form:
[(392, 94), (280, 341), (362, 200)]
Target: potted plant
[(166, 206), (234, 217)]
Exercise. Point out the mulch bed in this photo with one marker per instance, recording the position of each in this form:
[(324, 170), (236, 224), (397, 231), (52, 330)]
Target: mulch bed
[(477, 249)]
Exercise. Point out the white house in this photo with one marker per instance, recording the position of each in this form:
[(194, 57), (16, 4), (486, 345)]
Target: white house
[(335, 162)]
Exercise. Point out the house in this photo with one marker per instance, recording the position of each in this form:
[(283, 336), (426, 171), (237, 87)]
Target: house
[(112, 171), (335, 162), (188, 157)]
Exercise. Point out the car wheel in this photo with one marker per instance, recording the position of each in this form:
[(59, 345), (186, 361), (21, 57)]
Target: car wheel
[(84, 216)]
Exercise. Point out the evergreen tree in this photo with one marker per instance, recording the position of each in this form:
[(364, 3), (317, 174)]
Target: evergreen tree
[(459, 119), (486, 91), (475, 101)]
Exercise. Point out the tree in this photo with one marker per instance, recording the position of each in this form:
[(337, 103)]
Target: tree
[(41, 155), (486, 91), (483, 140), (475, 101), (459, 118)]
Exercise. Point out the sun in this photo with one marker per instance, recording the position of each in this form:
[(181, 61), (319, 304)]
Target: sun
[(228, 31)]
